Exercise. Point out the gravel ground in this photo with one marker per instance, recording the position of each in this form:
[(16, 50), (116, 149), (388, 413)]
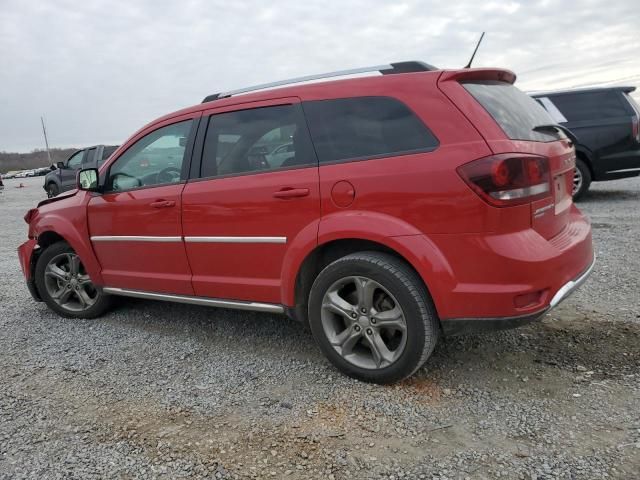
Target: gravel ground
[(155, 390)]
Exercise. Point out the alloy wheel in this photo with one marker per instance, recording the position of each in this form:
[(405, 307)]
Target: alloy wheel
[(363, 322), (577, 180), (68, 284)]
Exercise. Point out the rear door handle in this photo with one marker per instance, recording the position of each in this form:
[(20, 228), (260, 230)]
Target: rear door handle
[(291, 193), (163, 204)]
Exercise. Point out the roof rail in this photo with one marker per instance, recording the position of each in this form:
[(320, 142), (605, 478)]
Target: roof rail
[(387, 69)]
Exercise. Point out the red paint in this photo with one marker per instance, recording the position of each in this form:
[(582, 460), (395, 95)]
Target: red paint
[(477, 260)]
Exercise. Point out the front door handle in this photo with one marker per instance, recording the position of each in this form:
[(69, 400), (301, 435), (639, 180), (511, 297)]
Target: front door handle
[(291, 193), (163, 204)]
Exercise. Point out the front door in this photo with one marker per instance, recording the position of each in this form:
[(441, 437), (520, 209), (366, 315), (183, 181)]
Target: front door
[(249, 202), (68, 174), (135, 225)]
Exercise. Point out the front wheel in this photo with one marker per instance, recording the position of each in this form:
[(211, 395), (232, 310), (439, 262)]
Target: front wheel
[(372, 317), (52, 190), (65, 286)]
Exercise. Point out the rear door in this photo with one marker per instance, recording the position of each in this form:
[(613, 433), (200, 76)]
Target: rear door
[(136, 224), (242, 211)]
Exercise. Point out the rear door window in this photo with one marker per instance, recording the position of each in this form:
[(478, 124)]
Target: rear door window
[(590, 105), (365, 127), (89, 157), (251, 141), (514, 111)]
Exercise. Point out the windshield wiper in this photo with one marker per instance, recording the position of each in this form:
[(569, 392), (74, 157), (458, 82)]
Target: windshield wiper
[(555, 128)]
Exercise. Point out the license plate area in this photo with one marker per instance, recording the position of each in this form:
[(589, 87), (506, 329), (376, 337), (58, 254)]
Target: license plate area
[(562, 192)]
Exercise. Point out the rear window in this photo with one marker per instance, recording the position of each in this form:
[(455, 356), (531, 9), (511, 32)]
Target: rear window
[(515, 112), (590, 105), (365, 127)]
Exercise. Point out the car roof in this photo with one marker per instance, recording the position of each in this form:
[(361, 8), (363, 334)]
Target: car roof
[(551, 93)]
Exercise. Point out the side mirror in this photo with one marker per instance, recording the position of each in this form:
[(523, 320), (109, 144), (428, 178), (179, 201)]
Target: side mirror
[(52, 167), (60, 165), (88, 179)]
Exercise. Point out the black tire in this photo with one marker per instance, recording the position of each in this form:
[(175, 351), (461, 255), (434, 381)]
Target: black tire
[(402, 282), (582, 170), (52, 189), (102, 300)]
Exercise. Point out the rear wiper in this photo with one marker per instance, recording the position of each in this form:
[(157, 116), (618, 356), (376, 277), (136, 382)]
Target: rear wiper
[(555, 127)]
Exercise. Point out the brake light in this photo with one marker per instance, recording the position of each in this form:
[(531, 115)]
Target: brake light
[(635, 129), (509, 178)]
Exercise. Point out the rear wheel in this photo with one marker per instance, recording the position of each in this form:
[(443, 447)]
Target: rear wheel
[(65, 286), (372, 317), (581, 179), (52, 190)]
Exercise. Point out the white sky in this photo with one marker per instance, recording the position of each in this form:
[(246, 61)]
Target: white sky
[(98, 70)]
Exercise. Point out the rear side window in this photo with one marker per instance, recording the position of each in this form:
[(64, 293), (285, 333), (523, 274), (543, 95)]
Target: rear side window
[(515, 111), (89, 157), (106, 153), (365, 127), (256, 140), (590, 105)]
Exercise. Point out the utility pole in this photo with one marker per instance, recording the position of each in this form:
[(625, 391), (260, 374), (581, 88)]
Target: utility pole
[(46, 142)]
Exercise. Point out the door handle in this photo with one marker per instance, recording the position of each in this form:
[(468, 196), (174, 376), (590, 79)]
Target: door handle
[(291, 193), (163, 204)]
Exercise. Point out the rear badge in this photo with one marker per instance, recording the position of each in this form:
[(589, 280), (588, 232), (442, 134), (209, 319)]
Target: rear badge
[(541, 211)]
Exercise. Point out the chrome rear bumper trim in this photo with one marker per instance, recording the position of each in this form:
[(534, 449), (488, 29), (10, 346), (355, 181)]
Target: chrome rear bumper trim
[(570, 287), (206, 301)]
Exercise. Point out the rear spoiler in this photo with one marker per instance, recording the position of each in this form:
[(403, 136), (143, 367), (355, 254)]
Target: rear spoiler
[(501, 75)]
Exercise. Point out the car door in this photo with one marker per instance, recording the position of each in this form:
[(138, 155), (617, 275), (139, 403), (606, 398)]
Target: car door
[(68, 174), (241, 213), (135, 224)]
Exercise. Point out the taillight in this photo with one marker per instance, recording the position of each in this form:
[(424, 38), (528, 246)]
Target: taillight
[(635, 129), (509, 178)]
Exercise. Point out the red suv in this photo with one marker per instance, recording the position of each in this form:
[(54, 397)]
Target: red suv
[(383, 211)]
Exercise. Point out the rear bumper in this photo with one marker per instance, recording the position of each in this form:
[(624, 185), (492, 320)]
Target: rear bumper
[(462, 326)]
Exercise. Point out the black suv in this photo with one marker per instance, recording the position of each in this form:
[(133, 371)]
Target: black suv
[(64, 177), (605, 123)]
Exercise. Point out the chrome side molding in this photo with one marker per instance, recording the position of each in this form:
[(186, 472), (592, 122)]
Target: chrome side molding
[(161, 239), (206, 301), (235, 239), (134, 238)]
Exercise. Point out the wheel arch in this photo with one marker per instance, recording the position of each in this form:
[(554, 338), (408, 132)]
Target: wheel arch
[(54, 228), (296, 291)]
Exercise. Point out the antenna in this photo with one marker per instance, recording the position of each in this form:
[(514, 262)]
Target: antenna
[(46, 142), (474, 52)]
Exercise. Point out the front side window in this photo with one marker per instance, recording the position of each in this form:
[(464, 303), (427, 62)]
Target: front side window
[(75, 161), (256, 140), (365, 127), (155, 159)]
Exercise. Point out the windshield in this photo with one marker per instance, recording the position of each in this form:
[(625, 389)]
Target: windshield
[(515, 112)]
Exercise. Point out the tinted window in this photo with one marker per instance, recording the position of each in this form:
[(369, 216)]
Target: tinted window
[(76, 160), (515, 112), (590, 106), (106, 153), (155, 159), (89, 157), (365, 127), (251, 140)]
